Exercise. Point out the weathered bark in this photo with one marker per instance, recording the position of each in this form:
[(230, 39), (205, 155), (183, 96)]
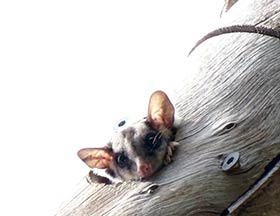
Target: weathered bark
[(229, 102), (228, 4)]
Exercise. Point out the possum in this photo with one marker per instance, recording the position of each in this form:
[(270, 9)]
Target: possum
[(139, 150)]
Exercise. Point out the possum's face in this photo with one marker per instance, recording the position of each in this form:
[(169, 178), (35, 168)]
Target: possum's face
[(139, 150)]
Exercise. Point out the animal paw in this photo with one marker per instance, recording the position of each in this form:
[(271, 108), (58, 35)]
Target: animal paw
[(170, 150)]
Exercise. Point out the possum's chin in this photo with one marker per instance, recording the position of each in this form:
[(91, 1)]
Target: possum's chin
[(135, 178)]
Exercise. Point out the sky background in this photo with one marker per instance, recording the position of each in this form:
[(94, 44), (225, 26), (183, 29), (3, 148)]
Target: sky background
[(69, 70)]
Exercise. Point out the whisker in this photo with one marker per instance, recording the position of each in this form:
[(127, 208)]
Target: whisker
[(157, 136)]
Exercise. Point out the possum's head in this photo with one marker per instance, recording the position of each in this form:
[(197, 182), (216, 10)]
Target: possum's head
[(139, 150)]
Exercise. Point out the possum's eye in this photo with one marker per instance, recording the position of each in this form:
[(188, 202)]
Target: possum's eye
[(150, 137), (152, 141), (122, 160)]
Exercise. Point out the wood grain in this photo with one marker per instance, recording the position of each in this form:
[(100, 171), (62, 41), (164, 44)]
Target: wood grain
[(229, 102)]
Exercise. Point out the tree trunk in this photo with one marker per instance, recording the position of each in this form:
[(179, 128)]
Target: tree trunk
[(229, 103)]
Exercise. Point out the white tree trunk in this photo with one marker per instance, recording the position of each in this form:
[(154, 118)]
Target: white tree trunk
[(229, 102)]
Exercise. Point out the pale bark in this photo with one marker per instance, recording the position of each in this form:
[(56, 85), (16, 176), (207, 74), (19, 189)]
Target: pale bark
[(229, 102)]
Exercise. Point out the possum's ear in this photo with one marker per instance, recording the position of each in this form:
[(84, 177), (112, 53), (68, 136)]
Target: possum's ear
[(160, 111), (100, 158)]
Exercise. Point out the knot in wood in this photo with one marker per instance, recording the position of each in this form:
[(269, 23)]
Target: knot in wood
[(231, 162)]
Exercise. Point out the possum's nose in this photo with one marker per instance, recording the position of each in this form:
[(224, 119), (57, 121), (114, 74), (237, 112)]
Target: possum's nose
[(145, 169)]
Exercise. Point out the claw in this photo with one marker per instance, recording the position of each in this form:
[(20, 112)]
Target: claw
[(167, 160), (170, 150)]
